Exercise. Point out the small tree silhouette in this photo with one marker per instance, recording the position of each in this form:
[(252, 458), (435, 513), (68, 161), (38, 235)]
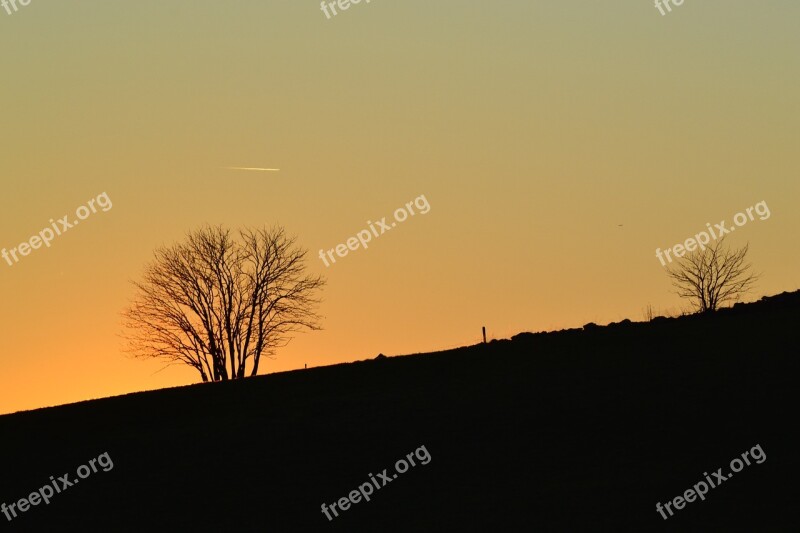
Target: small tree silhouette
[(710, 277), (216, 303)]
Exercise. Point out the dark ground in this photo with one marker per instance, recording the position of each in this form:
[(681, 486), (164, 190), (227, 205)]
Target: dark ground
[(567, 431)]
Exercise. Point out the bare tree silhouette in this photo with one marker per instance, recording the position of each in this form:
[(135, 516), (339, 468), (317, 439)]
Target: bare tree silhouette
[(710, 277), (215, 302)]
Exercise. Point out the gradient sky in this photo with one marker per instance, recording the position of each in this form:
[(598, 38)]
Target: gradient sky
[(533, 129)]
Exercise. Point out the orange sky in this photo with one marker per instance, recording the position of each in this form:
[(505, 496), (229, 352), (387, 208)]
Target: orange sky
[(533, 131)]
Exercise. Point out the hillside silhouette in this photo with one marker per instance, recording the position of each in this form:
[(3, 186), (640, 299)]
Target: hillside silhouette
[(575, 430)]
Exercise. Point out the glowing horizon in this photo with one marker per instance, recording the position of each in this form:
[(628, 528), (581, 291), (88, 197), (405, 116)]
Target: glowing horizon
[(561, 144)]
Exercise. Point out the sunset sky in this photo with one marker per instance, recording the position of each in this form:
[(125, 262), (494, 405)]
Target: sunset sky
[(557, 143)]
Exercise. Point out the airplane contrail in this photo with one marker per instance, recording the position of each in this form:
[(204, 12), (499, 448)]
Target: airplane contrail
[(253, 168)]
